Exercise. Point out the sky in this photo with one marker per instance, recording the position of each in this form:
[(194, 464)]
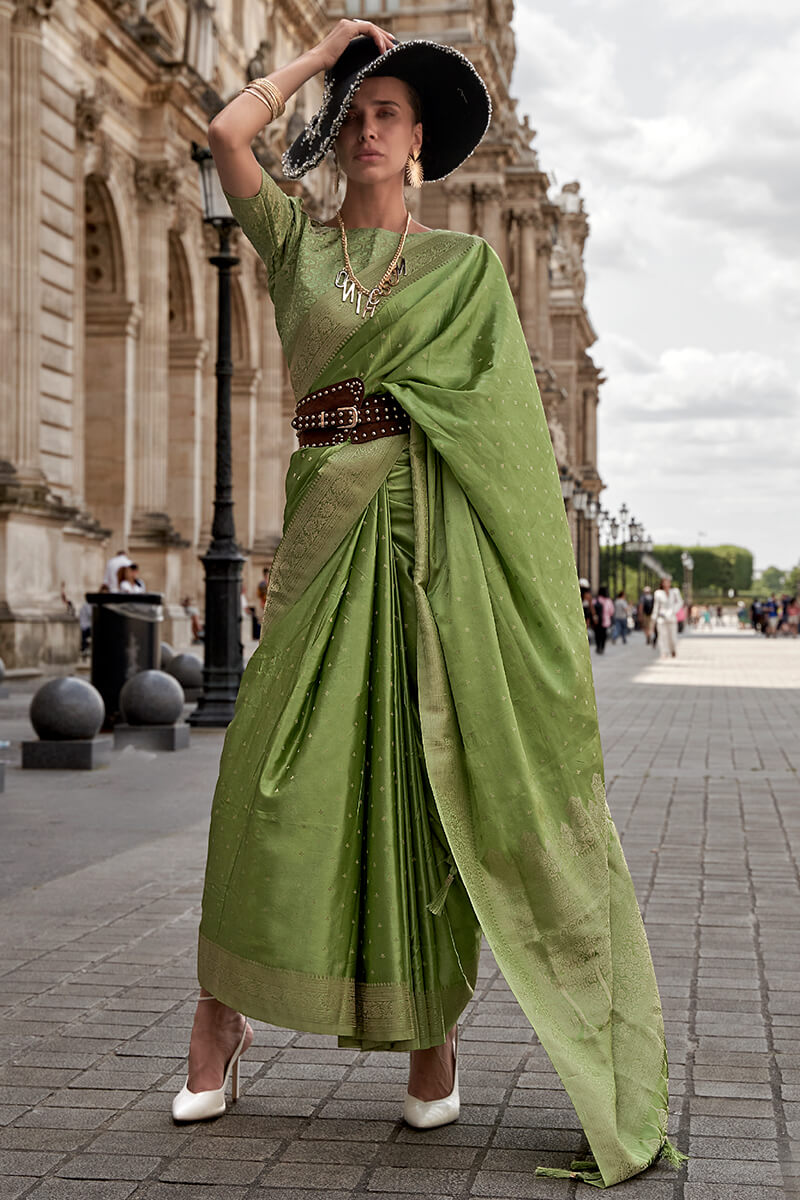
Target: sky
[(681, 120)]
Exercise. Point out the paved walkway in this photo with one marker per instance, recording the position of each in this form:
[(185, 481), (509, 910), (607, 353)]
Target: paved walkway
[(97, 928)]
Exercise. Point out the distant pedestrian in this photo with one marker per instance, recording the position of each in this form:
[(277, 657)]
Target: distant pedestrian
[(589, 614), (261, 591), (667, 603), (646, 613), (193, 613), (114, 566), (85, 625), (604, 610), (621, 613), (129, 580)]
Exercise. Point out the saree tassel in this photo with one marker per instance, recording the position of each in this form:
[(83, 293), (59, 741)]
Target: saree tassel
[(670, 1154), (437, 904), (585, 1169), (594, 1178)]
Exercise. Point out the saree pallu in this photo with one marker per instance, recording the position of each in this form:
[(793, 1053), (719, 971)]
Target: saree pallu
[(416, 733)]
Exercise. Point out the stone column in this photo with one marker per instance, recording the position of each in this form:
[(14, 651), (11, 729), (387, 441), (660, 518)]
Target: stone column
[(544, 338), (591, 428), (156, 187), (19, 428), (243, 438), (7, 436), (187, 354), (490, 225), (459, 206), (111, 327), (527, 276)]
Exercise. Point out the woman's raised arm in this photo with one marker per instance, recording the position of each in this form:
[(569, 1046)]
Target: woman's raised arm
[(232, 130)]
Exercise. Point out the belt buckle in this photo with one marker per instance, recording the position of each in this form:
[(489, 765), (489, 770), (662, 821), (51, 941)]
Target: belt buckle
[(348, 408)]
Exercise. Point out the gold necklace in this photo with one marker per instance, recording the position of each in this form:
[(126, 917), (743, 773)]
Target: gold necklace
[(354, 290)]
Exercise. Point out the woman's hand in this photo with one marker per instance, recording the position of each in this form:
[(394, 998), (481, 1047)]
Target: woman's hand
[(343, 32), (233, 129)]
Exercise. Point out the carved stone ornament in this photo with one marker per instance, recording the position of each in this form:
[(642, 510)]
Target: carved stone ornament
[(123, 10), (558, 437), (92, 50), (156, 182), (261, 62), (88, 114), (99, 158), (180, 220), (29, 14)]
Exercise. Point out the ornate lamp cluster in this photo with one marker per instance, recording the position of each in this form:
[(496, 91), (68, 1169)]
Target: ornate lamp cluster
[(585, 504), (621, 533)]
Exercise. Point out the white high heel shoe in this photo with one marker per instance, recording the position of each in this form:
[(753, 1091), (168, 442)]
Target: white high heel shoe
[(202, 1106), (430, 1114)]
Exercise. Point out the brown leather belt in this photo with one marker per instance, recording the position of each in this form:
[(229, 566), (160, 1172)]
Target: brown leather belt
[(341, 412)]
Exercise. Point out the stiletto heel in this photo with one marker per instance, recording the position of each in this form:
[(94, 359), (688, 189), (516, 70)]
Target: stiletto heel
[(202, 1106), (430, 1114)]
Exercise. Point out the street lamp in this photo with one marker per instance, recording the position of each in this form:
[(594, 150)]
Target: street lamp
[(223, 560), (613, 526), (688, 566), (567, 485), (579, 502), (593, 517)]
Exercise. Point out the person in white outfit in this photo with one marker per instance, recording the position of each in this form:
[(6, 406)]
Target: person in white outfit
[(667, 603)]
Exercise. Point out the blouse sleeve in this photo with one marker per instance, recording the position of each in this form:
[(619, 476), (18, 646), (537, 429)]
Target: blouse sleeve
[(271, 221)]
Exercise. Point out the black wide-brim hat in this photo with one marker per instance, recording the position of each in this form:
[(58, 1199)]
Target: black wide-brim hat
[(456, 107)]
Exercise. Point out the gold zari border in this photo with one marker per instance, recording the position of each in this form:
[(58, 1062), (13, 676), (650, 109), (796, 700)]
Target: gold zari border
[(388, 1015)]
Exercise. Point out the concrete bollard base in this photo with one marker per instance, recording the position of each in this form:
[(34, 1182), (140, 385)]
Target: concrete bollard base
[(152, 737), (67, 755)]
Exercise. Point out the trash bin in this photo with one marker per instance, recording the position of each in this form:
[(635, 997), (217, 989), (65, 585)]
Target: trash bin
[(126, 639)]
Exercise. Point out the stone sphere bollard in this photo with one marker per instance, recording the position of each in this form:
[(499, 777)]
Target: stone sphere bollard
[(188, 670), (68, 709), (151, 698), (167, 655)]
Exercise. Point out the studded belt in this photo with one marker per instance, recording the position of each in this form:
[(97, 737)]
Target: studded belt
[(341, 412)]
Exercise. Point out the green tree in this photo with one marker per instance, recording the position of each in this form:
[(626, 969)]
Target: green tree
[(792, 580), (716, 568), (772, 579)]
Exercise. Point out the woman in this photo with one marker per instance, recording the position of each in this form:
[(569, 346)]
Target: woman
[(621, 613), (604, 610), (667, 603), (414, 757)]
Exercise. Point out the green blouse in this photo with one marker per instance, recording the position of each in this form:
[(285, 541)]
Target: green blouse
[(303, 258)]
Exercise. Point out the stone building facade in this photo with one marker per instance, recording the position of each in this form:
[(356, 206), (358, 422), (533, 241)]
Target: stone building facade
[(108, 302)]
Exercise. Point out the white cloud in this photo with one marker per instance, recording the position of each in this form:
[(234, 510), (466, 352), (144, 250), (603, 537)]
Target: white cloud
[(694, 384), (682, 122)]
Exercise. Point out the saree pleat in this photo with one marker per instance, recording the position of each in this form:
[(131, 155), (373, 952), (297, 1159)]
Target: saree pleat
[(315, 908)]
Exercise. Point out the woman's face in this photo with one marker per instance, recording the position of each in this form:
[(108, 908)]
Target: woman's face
[(378, 132)]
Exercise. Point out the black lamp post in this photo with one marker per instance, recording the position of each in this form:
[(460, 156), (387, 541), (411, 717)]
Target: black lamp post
[(592, 515), (223, 559), (614, 527), (579, 504)]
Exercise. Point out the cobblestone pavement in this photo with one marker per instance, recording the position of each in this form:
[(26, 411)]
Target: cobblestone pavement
[(97, 961)]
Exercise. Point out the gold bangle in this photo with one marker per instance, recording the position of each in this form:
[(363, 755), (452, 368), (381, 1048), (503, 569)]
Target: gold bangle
[(269, 94), (266, 101)]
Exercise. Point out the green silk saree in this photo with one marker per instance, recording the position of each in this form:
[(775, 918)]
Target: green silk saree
[(415, 754)]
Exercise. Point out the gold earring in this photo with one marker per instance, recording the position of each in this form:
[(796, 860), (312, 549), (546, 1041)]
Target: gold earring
[(414, 170)]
